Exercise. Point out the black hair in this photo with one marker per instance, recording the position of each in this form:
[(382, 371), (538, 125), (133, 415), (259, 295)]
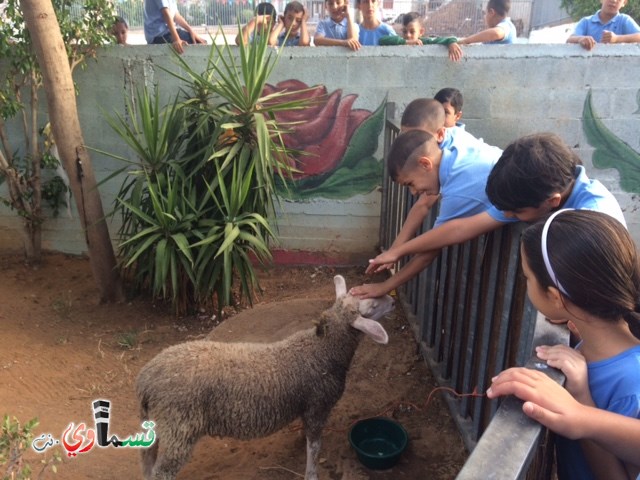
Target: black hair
[(294, 6), (410, 17), (530, 171), (265, 8), (452, 96), (404, 148), (595, 261), (423, 113), (501, 7), (118, 19)]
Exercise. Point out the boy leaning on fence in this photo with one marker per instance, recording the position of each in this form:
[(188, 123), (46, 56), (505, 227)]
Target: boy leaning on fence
[(413, 33), (500, 29), (339, 29), (536, 174), (164, 24), (607, 25)]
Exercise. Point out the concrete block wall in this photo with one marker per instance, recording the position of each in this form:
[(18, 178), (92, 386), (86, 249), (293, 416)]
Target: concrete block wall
[(509, 91)]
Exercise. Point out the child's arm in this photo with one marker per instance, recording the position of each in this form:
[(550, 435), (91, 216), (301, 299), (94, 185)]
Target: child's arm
[(179, 19), (406, 273), (391, 40), (352, 31), (177, 41), (485, 36), (305, 39), (412, 223), (454, 231), (275, 33), (245, 32), (550, 404), (610, 37)]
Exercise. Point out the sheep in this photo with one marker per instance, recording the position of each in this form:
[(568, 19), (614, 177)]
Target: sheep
[(251, 390)]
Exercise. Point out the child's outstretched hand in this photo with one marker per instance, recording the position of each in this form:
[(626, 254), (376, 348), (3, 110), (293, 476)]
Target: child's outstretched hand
[(378, 264), (545, 400), (573, 365), (370, 290), (455, 52)]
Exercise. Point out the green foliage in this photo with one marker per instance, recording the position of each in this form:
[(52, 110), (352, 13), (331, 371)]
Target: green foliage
[(15, 439), (84, 28), (582, 8), (196, 203)]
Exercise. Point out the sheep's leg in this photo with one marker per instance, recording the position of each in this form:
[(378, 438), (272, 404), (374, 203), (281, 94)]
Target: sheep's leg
[(149, 456), (313, 452), (175, 453)]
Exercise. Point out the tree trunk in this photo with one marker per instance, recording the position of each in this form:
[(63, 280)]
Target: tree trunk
[(42, 23)]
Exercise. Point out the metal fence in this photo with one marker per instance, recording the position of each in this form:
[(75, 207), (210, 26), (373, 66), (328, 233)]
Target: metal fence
[(472, 319), (454, 17)]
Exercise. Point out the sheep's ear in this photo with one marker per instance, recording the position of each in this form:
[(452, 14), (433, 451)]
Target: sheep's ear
[(371, 328), (341, 285)]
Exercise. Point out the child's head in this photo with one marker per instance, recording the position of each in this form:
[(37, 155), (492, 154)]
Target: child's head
[(412, 26), (265, 17), (610, 8), (451, 100), (337, 9), (424, 114), (497, 10), (368, 8), (120, 30), (414, 160), (293, 15), (534, 175), (588, 258)]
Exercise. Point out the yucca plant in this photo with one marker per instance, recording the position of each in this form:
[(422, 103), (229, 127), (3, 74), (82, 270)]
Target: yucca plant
[(197, 205)]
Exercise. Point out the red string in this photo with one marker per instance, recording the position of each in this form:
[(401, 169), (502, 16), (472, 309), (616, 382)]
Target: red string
[(397, 404)]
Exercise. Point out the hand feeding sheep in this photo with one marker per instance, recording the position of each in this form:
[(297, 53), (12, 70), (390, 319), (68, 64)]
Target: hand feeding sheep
[(251, 390)]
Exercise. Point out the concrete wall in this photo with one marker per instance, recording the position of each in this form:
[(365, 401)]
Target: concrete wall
[(509, 91)]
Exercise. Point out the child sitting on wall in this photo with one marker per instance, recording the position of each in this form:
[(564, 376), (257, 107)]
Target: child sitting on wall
[(261, 24), (338, 29), (607, 25), (291, 29), (413, 34), (500, 29), (371, 28)]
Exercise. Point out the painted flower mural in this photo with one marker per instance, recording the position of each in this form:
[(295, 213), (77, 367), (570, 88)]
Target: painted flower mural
[(333, 143)]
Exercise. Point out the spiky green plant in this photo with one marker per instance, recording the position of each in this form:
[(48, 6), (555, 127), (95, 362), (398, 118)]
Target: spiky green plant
[(196, 206)]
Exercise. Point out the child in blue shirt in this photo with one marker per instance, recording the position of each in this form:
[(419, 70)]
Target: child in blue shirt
[(261, 24), (338, 29), (500, 29), (371, 28), (607, 25), (291, 29), (536, 174), (582, 269), (452, 100), (413, 32)]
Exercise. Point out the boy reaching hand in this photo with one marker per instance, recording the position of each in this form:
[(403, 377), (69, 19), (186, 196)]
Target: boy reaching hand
[(500, 29), (535, 175), (338, 29)]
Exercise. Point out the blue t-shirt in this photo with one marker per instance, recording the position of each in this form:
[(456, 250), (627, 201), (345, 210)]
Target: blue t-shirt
[(329, 29), (586, 195), (615, 386), (292, 41), (463, 173), (154, 24), (457, 134), (510, 33), (371, 37), (592, 26)]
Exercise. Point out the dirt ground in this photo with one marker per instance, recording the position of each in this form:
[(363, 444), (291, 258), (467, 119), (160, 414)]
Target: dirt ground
[(60, 350)]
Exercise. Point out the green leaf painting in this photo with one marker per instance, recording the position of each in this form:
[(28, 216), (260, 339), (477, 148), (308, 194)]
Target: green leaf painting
[(610, 151)]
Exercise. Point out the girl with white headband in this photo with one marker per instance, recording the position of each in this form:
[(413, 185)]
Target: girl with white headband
[(582, 268)]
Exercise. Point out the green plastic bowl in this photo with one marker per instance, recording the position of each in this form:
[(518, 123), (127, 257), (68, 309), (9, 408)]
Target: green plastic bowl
[(378, 442)]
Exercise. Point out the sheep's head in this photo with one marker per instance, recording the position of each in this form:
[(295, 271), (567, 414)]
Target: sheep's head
[(369, 310)]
